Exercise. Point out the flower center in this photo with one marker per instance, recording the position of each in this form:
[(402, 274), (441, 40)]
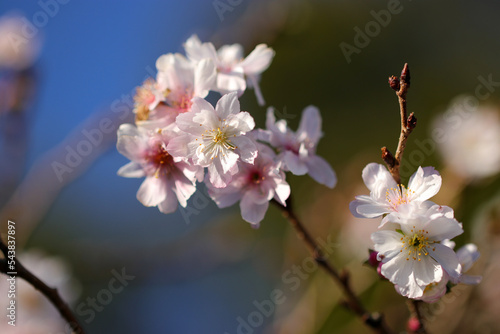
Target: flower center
[(256, 177), (183, 102), (416, 244), (144, 94), (397, 196), (160, 159)]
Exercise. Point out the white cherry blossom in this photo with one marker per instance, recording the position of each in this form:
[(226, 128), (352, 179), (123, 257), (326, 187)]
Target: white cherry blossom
[(215, 138), (386, 196), (411, 250)]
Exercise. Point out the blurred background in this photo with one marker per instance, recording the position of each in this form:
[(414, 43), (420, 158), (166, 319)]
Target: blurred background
[(204, 270)]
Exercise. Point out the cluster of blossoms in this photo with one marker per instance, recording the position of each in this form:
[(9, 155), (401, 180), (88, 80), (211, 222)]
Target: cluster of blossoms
[(413, 240), (178, 134)]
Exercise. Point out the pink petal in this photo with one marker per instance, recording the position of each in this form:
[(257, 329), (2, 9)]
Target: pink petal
[(321, 171), (152, 191)]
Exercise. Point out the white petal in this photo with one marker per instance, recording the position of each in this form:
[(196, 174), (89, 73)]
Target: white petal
[(131, 143), (132, 169), (258, 60), (294, 164), (179, 147), (310, 125), (197, 51), (231, 82), (216, 174), (224, 197), (168, 205), (426, 271), (387, 243), (443, 228), (321, 171), (252, 212), (425, 183), (183, 188), (229, 54), (241, 122), (378, 180), (204, 77), (467, 255), (227, 105), (447, 258), (152, 191), (282, 192), (246, 148), (228, 160)]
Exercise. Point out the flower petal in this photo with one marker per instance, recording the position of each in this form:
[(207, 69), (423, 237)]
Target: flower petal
[(246, 148), (293, 163), (258, 60), (152, 191), (252, 212), (447, 258), (228, 104), (204, 77), (132, 169), (321, 171), (310, 125), (424, 183), (168, 205)]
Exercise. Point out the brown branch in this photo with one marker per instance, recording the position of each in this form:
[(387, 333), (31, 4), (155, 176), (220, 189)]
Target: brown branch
[(414, 307), (408, 123), (50, 293), (372, 320)]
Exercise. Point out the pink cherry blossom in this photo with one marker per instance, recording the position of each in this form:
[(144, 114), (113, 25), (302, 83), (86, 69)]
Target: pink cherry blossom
[(233, 71), (297, 150), (254, 186), (180, 80), (168, 180), (215, 138)]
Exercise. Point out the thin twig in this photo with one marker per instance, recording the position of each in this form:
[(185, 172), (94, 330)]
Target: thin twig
[(414, 307), (372, 320), (50, 293), (408, 123)]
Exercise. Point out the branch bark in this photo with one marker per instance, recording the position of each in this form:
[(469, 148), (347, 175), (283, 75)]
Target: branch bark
[(50, 293), (373, 320)]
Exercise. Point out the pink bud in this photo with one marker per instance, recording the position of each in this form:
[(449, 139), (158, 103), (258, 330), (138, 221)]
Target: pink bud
[(413, 325)]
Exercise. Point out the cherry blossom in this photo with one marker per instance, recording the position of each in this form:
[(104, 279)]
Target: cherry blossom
[(233, 71), (215, 138), (386, 196), (410, 248), (167, 180), (297, 150), (254, 186)]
